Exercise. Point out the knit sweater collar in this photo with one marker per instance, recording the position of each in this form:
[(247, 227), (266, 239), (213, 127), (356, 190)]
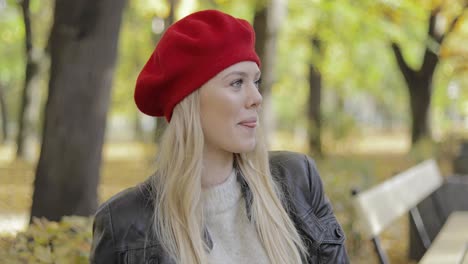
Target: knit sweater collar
[(222, 197)]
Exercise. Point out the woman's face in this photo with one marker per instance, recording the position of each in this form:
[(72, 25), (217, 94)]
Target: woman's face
[(228, 108)]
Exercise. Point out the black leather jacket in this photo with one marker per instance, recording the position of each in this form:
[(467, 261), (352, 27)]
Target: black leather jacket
[(122, 225)]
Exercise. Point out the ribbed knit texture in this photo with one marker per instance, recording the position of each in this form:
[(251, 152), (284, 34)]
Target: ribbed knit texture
[(234, 237)]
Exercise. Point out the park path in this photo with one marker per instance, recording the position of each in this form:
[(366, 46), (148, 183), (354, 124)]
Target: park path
[(11, 223)]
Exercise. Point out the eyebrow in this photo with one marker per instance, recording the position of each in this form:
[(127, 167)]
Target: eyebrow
[(241, 73)]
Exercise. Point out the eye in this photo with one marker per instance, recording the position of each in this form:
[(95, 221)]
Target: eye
[(258, 83), (237, 83)]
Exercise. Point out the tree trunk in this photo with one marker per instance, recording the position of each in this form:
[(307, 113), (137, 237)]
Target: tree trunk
[(419, 85), (83, 47), (30, 103), (419, 82), (314, 106), (266, 24), (4, 114), (420, 98), (161, 122)]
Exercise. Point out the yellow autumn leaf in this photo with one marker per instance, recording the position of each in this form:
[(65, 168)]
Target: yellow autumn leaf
[(43, 254)]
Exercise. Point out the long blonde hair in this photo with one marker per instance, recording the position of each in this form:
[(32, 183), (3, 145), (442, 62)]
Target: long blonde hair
[(178, 217)]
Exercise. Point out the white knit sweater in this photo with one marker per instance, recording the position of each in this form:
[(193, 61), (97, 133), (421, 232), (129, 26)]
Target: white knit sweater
[(235, 239)]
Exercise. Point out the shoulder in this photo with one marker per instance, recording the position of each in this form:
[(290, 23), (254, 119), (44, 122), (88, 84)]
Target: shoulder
[(122, 229), (130, 199), (300, 181), (127, 215), (293, 168), (287, 157)]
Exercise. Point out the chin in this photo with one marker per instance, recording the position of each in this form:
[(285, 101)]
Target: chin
[(246, 148)]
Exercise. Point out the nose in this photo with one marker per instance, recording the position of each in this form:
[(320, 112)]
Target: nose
[(254, 97)]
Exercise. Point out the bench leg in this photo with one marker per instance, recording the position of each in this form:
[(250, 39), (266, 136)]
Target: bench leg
[(420, 227), (379, 250)]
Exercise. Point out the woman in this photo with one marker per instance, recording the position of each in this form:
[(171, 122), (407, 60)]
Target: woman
[(217, 195)]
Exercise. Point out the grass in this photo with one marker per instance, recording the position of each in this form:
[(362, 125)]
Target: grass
[(358, 163)]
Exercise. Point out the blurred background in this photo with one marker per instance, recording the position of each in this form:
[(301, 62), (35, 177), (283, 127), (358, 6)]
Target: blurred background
[(367, 88)]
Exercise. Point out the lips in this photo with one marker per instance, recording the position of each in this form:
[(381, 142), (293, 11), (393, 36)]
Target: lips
[(251, 122)]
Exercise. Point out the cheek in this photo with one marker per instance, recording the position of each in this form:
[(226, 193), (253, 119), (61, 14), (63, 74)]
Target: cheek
[(221, 109), (223, 118), (213, 117)]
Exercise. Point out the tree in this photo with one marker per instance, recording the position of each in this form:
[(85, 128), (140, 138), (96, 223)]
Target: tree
[(314, 104), (420, 81), (29, 110), (266, 25), (3, 112), (83, 47)]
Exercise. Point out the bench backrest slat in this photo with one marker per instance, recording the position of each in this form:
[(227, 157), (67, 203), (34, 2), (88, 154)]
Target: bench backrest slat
[(379, 206)]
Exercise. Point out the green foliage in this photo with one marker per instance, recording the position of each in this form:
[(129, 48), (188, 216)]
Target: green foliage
[(354, 58), (12, 47), (355, 55), (241, 8), (338, 127), (11, 35), (67, 241), (135, 46)]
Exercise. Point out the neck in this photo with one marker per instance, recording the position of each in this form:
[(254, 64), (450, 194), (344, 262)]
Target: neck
[(217, 166)]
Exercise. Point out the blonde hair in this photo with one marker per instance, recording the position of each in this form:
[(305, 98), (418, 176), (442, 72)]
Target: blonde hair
[(178, 217)]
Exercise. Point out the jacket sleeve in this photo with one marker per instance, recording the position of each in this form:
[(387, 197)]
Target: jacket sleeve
[(333, 246), (103, 244)]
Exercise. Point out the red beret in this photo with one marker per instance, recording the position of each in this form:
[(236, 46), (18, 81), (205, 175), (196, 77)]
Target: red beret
[(192, 51)]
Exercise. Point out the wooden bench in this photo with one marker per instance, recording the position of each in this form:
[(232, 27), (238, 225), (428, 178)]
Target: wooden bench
[(451, 244), (384, 203)]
